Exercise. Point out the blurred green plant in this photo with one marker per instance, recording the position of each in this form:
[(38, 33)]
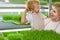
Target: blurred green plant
[(1, 38), (46, 14), (43, 2), (16, 18), (15, 37), (55, 1), (5, 34), (34, 35), (17, 0), (40, 35)]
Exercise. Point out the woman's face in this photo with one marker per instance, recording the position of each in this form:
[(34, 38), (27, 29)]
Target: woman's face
[(54, 13)]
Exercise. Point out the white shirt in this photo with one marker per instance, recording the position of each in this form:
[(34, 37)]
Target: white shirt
[(50, 25), (36, 20)]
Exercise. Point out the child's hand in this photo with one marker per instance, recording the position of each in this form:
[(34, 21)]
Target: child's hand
[(26, 10)]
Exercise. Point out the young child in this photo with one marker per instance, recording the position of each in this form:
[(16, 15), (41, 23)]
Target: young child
[(35, 17)]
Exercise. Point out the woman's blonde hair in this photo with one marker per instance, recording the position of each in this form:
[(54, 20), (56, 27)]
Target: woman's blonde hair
[(30, 4), (57, 6)]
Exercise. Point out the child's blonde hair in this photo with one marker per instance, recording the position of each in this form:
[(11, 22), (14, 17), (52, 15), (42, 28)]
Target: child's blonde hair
[(30, 4)]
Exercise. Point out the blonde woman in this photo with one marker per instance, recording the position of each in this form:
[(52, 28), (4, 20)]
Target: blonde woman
[(54, 22)]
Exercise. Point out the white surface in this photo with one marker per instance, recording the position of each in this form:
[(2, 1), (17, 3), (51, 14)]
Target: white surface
[(12, 5), (15, 30), (6, 0), (11, 10)]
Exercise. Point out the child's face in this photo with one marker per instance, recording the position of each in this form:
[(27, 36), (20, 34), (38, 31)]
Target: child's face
[(37, 7)]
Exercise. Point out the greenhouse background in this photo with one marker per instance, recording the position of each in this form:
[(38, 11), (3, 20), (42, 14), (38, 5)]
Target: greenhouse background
[(11, 12), (11, 27)]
